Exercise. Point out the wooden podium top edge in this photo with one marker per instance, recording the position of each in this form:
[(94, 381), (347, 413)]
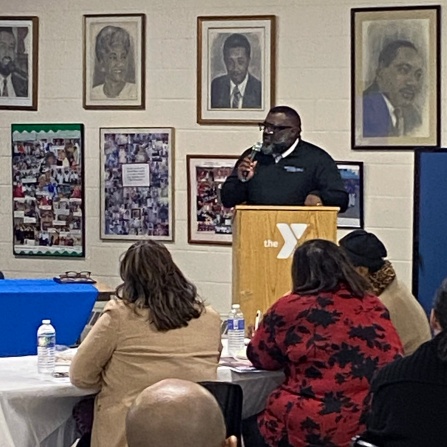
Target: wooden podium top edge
[(287, 208)]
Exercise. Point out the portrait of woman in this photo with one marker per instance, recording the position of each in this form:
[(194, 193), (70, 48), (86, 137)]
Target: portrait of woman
[(116, 75), (114, 61)]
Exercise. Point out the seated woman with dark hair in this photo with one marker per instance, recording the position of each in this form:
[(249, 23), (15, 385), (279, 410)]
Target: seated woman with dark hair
[(158, 329), (330, 335), (409, 396)]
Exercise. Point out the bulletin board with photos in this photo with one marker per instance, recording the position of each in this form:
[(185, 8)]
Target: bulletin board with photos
[(209, 222), (137, 183), (48, 189)]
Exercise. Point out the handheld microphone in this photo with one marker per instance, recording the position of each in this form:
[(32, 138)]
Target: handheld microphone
[(257, 147)]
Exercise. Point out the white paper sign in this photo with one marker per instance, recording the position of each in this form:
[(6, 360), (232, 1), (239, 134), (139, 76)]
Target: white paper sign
[(136, 175)]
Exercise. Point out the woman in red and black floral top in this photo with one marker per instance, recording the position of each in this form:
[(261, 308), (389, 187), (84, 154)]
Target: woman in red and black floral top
[(330, 336)]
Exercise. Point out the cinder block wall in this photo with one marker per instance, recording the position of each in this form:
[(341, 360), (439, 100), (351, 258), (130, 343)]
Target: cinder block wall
[(313, 76)]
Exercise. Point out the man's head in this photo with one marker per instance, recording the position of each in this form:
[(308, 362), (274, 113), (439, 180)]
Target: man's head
[(281, 128), (112, 51), (236, 53), (365, 251), (176, 413), (400, 71), (7, 50)]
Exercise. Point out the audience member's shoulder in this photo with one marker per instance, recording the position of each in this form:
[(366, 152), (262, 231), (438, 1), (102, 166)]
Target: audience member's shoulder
[(211, 313), (283, 304), (412, 367), (116, 306)]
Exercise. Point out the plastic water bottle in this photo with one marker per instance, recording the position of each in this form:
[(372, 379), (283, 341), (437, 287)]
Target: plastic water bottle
[(46, 342), (236, 331)]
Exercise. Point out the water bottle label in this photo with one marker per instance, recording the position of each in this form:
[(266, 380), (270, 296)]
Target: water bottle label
[(46, 341), (236, 325)]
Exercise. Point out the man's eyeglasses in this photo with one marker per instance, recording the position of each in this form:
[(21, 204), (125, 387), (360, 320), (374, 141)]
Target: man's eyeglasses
[(267, 127)]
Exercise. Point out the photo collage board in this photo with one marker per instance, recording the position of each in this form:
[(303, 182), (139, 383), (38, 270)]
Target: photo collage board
[(136, 184), (48, 193)]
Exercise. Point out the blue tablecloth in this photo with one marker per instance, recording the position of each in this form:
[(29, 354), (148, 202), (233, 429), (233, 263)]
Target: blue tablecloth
[(24, 303)]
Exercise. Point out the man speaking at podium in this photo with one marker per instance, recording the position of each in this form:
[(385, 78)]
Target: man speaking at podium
[(284, 170)]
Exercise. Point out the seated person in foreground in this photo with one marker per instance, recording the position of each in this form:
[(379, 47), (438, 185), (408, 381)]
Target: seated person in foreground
[(367, 253), (330, 335), (176, 413), (158, 328), (409, 396)]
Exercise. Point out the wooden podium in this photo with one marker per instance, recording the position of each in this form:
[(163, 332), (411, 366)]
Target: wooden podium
[(264, 239)]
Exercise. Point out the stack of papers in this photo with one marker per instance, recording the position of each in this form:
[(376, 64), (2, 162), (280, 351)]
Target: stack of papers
[(237, 364)]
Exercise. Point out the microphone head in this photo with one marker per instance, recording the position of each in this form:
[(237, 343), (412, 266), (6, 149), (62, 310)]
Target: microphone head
[(257, 147)]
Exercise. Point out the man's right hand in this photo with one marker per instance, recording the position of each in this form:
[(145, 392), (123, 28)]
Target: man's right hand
[(246, 169)]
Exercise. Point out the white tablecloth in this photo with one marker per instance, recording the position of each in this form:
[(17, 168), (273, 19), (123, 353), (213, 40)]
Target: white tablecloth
[(36, 411), (256, 387)]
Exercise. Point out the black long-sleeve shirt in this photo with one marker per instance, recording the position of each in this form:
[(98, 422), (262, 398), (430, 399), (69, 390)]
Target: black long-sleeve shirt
[(409, 401), (307, 170)]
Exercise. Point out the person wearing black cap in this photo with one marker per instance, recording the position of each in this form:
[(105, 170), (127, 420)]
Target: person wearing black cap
[(367, 253)]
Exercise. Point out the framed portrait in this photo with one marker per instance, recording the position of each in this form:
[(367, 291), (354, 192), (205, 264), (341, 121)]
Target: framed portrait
[(235, 69), (137, 183), (48, 189), (209, 222), (19, 55), (114, 61), (352, 175), (395, 77)]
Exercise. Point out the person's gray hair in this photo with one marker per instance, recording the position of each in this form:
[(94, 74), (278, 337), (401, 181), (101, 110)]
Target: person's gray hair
[(108, 36)]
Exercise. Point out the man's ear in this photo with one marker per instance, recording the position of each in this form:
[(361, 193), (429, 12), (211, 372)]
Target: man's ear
[(434, 323), (230, 442)]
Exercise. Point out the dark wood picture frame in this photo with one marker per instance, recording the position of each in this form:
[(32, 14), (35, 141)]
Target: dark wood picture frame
[(395, 77), (215, 98), (100, 91), (211, 224), (137, 183), (17, 36)]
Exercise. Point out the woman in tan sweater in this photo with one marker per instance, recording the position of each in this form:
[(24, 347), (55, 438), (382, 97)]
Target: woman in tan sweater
[(157, 329), (367, 252)]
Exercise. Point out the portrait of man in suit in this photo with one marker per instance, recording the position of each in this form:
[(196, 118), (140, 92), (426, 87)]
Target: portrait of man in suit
[(390, 107), (13, 76), (238, 88)]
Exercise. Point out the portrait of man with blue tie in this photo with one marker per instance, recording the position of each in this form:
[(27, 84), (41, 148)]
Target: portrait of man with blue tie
[(238, 88), (390, 107), (13, 76)]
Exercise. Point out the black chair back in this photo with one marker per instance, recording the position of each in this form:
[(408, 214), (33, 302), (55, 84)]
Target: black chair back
[(229, 397)]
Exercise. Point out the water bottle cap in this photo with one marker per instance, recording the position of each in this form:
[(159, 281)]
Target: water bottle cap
[(46, 321), (236, 306)]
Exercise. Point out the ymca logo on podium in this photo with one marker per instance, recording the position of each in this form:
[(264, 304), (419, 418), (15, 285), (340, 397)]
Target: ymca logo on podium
[(291, 234)]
